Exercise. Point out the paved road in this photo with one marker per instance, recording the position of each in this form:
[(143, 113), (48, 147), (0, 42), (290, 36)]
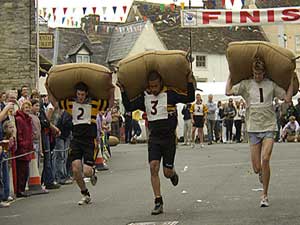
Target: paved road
[(215, 188)]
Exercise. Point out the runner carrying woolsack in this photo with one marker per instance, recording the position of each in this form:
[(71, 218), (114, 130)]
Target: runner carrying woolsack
[(259, 93), (159, 102)]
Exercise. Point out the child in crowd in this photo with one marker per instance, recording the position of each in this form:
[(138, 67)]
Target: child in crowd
[(291, 130)]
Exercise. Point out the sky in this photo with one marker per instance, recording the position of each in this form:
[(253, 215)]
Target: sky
[(103, 7)]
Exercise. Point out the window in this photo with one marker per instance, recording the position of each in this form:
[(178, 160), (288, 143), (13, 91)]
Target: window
[(297, 44), (82, 58), (200, 61)]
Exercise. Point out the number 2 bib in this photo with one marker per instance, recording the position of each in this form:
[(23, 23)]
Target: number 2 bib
[(156, 106), (81, 113)]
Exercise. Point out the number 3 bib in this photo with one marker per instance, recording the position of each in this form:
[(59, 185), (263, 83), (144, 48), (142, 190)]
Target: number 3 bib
[(156, 106), (81, 113)]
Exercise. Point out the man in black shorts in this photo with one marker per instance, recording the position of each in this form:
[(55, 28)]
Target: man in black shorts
[(159, 102), (84, 111)]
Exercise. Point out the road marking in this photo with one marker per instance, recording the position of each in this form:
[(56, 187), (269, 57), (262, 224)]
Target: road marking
[(155, 223), (10, 216)]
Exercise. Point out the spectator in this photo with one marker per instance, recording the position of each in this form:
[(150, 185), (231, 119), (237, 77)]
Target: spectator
[(219, 121), (62, 143), (106, 129), (24, 146), (211, 118), (187, 129), (229, 112), (277, 113), (3, 204), (297, 107), (36, 129), (115, 122), (238, 122), (291, 130), (128, 126), (24, 95), (136, 117)]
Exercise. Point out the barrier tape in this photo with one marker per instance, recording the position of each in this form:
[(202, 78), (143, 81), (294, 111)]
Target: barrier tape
[(18, 156)]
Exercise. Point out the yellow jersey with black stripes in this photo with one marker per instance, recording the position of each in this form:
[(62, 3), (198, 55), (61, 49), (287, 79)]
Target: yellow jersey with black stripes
[(84, 115)]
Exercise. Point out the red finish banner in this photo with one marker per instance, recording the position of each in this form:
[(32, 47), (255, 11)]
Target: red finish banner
[(244, 17)]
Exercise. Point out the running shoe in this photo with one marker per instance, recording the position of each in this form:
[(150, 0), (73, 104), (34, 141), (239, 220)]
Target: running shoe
[(4, 204), (85, 200), (174, 179), (158, 209), (264, 202), (94, 179)]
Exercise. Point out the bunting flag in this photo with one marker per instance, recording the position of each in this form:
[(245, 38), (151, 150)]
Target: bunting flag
[(223, 3), (72, 22), (84, 10), (121, 18), (45, 12), (49, 16), (145, 18), (54, 18), (68, 22), (63, 19), (65, 10), (40, 12), (104, 18), (74, 9), (136, 18), (243, 2), (232, 2), (53, 10), (162, 7), (76, 23), (182, 5), (94, 10), (124, 9), (172, 7), (134, 9), (104, 9), (114, 9)]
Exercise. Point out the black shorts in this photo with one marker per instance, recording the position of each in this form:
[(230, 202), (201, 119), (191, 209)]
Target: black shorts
[(83, 149), (198, 121), (162, 148)]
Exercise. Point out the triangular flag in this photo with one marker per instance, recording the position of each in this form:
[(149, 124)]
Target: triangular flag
[(53, 10), (104, 18), (72, 23), (76, 23), (160, 17), (68, 22), (84, 10), (104, 9), (40, 12), (114, 9), (162, 7), (74, 9), (136, 18), (121, 18), (63, 20), (232, 2), (243, 2), (145, 18), (49, 16), (54, 18), (124, 8), (172, 7), (45, 12), (94, 10), (134, 9), (65, 10), (182, 5), (223, 3)]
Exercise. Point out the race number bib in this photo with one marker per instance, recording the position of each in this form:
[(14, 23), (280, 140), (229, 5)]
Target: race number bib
[(156, 106), (81, 113), (198, 110)]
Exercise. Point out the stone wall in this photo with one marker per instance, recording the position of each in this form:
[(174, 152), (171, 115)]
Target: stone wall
[(17, 44)]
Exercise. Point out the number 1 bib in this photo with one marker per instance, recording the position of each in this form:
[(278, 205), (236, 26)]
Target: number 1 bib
[(81, 113), (156, 106)]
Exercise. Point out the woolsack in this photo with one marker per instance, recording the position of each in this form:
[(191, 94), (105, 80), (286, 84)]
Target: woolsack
[(62, 79), (171, 64), (113, 141), (280, 62)]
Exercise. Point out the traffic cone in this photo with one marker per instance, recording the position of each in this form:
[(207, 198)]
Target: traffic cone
[(34, 182), (100, 164)]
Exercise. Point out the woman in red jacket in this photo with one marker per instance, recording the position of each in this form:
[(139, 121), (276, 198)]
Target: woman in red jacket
[(24, 146)]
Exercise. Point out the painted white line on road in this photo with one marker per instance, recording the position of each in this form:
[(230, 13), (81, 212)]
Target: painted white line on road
[(10, 216)]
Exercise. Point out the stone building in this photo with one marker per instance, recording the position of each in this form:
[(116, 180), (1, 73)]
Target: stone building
[(17, 44)]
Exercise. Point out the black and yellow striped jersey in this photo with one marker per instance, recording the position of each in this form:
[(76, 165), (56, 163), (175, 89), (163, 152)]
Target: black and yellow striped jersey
[(85, 129)]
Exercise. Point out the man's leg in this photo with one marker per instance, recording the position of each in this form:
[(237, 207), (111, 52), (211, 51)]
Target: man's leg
[(267, 147), (155, 181), (77, 174), (256, 157), (185, 132)]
